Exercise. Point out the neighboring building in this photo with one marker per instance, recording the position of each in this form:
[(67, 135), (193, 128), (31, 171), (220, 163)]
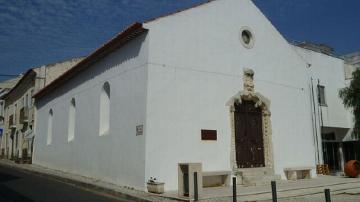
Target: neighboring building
[(216, 84), (8, 84), (5, 87), (333, 123), (19, 111), (352, 62)]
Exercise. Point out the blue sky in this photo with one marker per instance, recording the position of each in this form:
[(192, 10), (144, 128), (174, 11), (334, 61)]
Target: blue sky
[(36, 32)]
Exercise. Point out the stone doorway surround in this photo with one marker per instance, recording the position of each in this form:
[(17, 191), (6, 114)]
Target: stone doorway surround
[(248, 93)]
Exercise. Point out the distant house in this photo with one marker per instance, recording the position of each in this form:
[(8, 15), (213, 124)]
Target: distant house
[(216, 84), (19, 111), (352, 62), (328, 75), (5, 87)]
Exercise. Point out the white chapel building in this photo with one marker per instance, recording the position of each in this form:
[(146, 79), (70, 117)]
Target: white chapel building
[(215, 84)]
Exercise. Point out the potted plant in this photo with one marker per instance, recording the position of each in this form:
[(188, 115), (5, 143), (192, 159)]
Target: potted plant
[(155, 187), (352, 168)]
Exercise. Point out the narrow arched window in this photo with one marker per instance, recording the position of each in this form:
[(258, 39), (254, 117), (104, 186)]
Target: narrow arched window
[(50, 127), (72, 119), (104, 126)]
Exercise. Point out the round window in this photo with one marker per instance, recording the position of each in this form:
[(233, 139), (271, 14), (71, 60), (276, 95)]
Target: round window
[(246, 37)]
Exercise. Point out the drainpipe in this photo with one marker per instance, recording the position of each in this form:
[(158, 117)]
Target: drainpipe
[(320, 111), (314, 120), (321, 125)]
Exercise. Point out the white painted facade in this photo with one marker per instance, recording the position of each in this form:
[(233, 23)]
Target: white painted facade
[(119, 155), (333, 117), (329, 71), (176, 80)]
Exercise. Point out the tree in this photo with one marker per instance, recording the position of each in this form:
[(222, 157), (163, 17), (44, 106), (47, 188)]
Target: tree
[(351, 99)]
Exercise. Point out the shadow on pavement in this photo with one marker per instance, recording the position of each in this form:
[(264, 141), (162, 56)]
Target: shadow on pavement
[(7, 177), (12, 195), (7, 193)]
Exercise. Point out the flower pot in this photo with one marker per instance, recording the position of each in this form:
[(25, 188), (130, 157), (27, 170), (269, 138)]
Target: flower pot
[(155, 187), (352, 168)]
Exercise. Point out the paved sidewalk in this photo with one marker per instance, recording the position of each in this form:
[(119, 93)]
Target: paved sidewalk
[(342, 189)]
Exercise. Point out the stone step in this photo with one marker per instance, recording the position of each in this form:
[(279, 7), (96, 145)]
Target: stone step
[(255, 176), (255, 171), (259, 180)]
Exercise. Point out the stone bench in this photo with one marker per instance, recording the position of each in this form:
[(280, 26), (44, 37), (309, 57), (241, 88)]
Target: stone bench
[(295, 173), (216, 178)]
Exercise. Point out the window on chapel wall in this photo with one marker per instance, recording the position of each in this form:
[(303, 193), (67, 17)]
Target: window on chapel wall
[(50, 127), (104, 126), (321, 95), (72, 118)]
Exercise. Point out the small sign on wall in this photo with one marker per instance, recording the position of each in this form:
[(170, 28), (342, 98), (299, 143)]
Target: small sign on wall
[(208, 135), (139, 130)]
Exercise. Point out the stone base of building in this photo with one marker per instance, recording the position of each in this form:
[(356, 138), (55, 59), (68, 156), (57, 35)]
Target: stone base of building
[(255, 176)]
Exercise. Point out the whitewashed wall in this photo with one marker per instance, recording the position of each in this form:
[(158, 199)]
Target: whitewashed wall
[(177, 81), (329, 72), (118, 157), (196, 64)]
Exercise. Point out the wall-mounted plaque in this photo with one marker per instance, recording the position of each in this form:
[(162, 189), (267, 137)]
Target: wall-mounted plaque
[(139, 130), (208, 135)]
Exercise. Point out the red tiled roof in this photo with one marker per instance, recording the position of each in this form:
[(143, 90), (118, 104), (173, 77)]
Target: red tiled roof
[(127, 35)]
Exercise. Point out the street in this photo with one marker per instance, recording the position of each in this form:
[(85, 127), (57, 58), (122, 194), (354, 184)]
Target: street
[(20, 186)]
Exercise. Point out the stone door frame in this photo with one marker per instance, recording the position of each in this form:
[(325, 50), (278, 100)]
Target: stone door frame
[(262, 102)]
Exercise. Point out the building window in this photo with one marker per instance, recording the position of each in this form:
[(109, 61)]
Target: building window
[(72, 118), (26, 100), (321, 95), (50, 127), (104, 126), (247, 37), (31, 98), (1, 108), (15, 110)]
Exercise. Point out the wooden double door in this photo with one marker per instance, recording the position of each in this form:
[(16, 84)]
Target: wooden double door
[(249, 142)]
